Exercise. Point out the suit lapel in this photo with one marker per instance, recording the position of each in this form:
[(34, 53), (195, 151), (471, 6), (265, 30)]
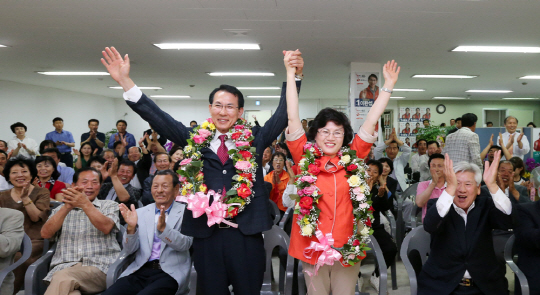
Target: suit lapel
[(150, 225), (172, 219)]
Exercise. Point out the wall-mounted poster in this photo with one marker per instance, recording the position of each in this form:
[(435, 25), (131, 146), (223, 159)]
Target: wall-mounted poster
[(536, 144), (364, 92), (414, 117)]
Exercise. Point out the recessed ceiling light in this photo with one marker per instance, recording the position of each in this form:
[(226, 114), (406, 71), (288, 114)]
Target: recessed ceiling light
[(404, 89), (241, 74), (528, 98), (258, 88), (74, 73), (397, 97), (489, 91), (170, 96), (448, 97), (214, 46), (140, 87), (515, 49), (263, 96), (530, 77), (446, 76)]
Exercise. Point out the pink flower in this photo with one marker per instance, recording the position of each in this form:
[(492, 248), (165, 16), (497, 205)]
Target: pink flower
[(181, 178), (304, 211), (210, 121), (308, 179), (185, 161), (300, 193), (243, 165), (364, 205), (356, 191), (360, 197), (198, 139), (240, 143), (239, 127), (309, 190), (247, 133), (204, 133), (307, 146)]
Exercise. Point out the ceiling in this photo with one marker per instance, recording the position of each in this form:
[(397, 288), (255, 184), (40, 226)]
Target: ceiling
[(62, 35)]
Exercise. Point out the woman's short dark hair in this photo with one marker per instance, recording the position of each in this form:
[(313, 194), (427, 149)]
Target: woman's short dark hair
[(45, 143), (518, 163), (98, 159), (531, 123), (174, 149), (284, 146), (330, 115), (21, 161), (435, 156), (375, 163), (85, 144), (18, 124), (230, 89), (388, 162), (278, 154), (373, 76), (49, 160), (3, 152)]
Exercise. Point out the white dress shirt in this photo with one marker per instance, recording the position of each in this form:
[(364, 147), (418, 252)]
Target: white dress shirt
[(517, 152), (286, 199), (500, 200), (4, 185), (30, 144)]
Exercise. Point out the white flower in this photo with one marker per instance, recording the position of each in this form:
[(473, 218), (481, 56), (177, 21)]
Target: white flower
[(302, 162), (307, 230), (365, 231), (346, 159), (297, 206), (312, 149), (361, 169), (354, 181)]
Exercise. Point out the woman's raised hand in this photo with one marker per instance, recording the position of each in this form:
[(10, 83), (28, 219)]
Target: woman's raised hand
[(391, 73), (289, 61)]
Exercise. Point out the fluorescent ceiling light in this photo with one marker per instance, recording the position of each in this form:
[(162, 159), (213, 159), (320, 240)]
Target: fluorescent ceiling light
[(403, 89), (263, 96), (446, 76), (448, 97), (74, 73), (530, 77), (397, 97), (2, 45), (241, 74), (215, 46), (489, 91), (170, 96), (258, 88), (516, 49), (528, 98), (140, 87)]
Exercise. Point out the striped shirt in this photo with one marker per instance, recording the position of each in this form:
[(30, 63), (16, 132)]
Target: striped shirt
[(81, 241)]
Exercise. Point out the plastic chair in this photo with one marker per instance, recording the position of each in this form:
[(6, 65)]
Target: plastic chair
[(400, 222), (275, 211), (417, 241), (509, 257), (286, 217), (273, 238), (393, 271), (26, 251), (54, 204)]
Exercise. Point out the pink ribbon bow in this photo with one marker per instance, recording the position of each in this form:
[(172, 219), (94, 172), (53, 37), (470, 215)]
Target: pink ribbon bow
[(199, 204), (327, 256)]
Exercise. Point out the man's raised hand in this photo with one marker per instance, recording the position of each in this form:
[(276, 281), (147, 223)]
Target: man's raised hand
[(130, 217), (450, 176), (490, 173), (118, 67)]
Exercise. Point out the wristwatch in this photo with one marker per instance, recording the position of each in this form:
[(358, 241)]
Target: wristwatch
[(386, 90)]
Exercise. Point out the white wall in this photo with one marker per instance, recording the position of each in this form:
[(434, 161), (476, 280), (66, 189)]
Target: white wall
[(36, 106)]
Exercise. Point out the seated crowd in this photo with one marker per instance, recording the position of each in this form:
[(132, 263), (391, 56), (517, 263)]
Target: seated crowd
[(118, 194)]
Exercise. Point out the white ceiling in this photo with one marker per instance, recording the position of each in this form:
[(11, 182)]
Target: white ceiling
[(62, 35)]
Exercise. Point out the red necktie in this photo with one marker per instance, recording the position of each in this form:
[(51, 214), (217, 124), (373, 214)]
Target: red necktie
[(222, 150)]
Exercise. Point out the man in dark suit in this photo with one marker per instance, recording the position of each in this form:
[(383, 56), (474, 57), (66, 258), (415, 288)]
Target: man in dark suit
[(462, 259), (222, 255), (527, 244)]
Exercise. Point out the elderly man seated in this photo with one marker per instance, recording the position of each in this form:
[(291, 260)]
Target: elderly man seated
[(462, 259), (11, 236), (85, 228), (162, 262)]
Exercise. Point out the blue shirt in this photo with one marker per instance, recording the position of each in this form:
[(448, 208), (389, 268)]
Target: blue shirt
[(65, 136), (130, 139), (66, 174)]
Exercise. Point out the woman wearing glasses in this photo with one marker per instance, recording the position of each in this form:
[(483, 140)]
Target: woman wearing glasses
[(279, 178), (330, 131)]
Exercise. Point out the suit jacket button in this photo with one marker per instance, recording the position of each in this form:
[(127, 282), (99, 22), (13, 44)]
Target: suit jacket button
[(224, 171)]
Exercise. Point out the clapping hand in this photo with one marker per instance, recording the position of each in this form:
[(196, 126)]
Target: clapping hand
[(130, 217), (113, 171), (161, 220), (491, 140), (491, 171), (76, 152), (95, 152), (520, 137), (116, 137), (450, 175), (93, 134), (391, 73), (74, 197), (104, 172), (382, 190)]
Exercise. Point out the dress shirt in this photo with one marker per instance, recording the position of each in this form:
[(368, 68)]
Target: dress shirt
[(435, 194), (463, 145), (99, 135), (266, 168), (216, 142), (135, 182), (4, 185), (80, 241), (130, 139), (517, 152), (112, 196), (156, 246), (66, 174), (399, 163), (500, 200), (286, 199), (65, 136), (416, 160), (30, 144)]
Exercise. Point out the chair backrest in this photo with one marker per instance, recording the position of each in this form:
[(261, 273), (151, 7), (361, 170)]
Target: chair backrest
[(383, 270), (416, 244), (120, 236), (410, 191), (392, 220), (275, 237), (276, 214), (509, 258), (54, 204), (26, 251), (286, 217)]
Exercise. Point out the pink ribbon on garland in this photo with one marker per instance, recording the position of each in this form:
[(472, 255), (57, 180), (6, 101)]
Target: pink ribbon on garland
[(327, 256), (199, 202)]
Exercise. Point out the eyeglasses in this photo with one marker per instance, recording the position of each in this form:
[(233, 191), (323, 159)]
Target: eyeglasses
[(229, 108), (277, 160), (326, 133), (162, 161)]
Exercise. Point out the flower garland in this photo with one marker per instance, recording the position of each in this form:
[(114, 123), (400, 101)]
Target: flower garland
[(192, 177), (308, 211)]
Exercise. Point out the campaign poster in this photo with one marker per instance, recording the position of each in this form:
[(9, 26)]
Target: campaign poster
[(364, 92), (536, 144)]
